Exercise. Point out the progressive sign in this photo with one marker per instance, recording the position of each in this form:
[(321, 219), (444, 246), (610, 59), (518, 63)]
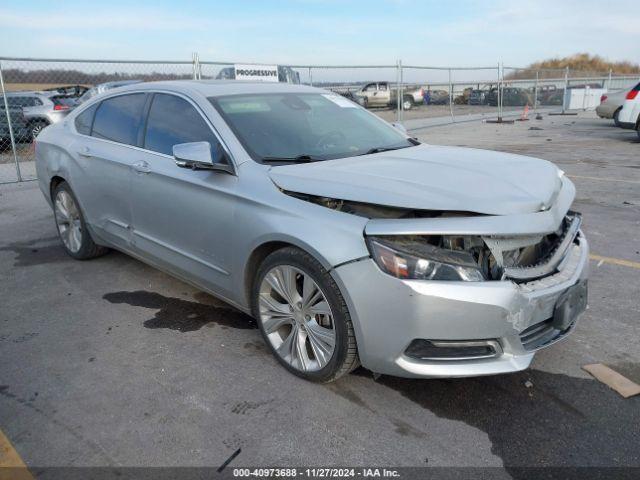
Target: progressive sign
[(264, 73)]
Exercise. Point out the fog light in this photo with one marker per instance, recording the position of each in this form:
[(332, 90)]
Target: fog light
[(452, 349)]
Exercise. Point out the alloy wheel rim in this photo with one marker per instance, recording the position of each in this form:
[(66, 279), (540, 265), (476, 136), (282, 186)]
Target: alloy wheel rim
[(68, 221), (36, 130), (297, 318)]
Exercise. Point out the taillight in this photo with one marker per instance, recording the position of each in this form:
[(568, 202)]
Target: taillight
[(632, 94), (603, 98), (60, 107)]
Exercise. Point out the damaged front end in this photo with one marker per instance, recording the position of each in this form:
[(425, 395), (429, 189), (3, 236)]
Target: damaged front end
[(520, 258), (475, 293), (475, 258)]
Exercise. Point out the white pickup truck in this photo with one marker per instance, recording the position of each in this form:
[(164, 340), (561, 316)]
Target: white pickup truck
[(385, 94)]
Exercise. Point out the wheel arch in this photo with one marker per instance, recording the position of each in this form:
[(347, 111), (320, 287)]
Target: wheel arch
[(263, 249), (53, 184)]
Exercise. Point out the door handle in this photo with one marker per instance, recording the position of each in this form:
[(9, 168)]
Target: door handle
[(141, 167), (85, 152)]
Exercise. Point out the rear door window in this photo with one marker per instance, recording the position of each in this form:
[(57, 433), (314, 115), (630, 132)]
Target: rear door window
[(85, 119), (119, 118), (173, 120), (20, 101)]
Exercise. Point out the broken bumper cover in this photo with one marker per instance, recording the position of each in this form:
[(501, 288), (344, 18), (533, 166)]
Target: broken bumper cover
[(508, 321)]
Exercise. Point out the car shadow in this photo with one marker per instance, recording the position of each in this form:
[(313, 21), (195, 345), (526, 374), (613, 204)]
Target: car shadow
[(537, 419)]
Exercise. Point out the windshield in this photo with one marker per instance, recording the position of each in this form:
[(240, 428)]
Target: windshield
[(305, 126)]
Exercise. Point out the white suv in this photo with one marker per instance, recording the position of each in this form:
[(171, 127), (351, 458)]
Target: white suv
[(630, 113)]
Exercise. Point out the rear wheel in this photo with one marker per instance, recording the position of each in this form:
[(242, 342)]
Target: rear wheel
[(616, 121), (303, 316), (407, 103), (71, 225), (37, 127)]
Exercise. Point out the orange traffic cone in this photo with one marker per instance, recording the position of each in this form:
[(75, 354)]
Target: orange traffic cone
[(525, 113)]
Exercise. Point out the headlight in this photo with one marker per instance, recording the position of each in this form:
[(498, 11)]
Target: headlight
[(410, 259)]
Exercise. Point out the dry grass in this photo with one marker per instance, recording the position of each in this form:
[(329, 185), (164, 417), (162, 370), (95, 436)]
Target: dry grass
[(16, 87), (580, 64)]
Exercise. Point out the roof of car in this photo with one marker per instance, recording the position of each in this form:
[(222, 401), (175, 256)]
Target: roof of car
[(215, 88)]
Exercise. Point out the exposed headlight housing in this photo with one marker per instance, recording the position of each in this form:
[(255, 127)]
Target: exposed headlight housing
[(406, 258)]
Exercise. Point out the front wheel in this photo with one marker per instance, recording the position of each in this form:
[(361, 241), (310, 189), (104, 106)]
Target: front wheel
[(71, 225), (407, 103), (303, 316)]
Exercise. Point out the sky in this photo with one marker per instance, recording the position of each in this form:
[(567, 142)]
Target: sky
[(418, 32)]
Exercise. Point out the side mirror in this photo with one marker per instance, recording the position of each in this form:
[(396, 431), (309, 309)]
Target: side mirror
[(197, 156), (399, 126)]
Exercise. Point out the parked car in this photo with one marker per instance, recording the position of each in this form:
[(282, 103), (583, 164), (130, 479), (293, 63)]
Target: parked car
[(385, 94), (40, 109), (550, 95), (463, 98), (437, 97), (19, 126), (348, 241), (477, 97), (70, 91), (611, 104), (629, 116), (104, 87), (511, 97)]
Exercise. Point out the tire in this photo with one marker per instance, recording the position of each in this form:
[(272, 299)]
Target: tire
[(291, 321), (616, 122), (71, 226), (407, 103), (365, 102), (37, 127)]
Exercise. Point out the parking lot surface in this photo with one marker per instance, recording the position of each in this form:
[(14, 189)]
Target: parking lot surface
[(110, 362)]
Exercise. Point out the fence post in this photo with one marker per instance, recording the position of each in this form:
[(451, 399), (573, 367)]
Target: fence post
[(398, 67), (197, 69), (13, 140), (609, 80), (535, 94), (499, 96), (451, 97), (310, 78), (566, 88), (401, 92)]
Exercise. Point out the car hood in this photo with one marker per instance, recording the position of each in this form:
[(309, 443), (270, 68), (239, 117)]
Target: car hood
[(429, 177)]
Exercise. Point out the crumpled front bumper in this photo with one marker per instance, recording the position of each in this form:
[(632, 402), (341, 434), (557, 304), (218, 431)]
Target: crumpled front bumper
[(389, 313)]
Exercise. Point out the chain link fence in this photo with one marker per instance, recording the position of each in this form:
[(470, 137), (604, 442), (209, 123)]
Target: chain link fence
[(38, 92)]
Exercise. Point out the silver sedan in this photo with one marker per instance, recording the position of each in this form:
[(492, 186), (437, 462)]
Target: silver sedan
[(349, 241)]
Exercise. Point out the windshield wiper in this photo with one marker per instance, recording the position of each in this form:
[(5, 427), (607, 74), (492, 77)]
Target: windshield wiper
[(380, 149), (413, 142), (305, 158)]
